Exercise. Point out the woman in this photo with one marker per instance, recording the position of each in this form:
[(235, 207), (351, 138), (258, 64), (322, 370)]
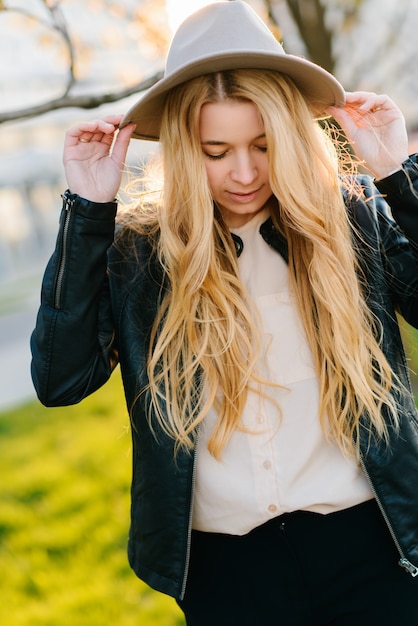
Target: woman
[(252, 311)]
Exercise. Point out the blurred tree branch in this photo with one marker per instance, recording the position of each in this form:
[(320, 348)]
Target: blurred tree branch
[(58, 23), (81, 101)]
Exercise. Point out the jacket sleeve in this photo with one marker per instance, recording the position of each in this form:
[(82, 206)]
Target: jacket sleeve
[(399, 236), (401, 193), (73, 351)]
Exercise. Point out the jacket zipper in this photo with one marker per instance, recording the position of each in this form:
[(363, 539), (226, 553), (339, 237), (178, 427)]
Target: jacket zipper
[(403, 562), (189, 529), (68, 205)]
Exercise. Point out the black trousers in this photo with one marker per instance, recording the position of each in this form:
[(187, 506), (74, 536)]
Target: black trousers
[(301, 569)]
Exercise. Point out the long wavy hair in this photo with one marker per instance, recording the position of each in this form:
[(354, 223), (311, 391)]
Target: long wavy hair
[(205, 346)]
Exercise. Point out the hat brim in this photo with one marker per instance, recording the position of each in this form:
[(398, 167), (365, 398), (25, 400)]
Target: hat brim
[(320, 87)]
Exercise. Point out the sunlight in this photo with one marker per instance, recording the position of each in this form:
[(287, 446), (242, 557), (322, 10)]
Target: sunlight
[(178, 10)]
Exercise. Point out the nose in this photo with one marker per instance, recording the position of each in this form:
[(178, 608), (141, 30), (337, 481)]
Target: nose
[(244, 169)]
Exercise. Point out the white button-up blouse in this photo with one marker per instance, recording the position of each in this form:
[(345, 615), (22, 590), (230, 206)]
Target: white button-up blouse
[(284, 462)]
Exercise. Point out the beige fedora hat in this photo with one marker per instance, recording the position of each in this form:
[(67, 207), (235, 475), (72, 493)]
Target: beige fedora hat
[(228, 35)]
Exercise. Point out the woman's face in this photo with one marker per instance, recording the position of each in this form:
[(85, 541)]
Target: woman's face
[(235, 152)]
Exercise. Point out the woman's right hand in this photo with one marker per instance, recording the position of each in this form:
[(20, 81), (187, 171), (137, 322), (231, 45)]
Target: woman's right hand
[(94, 156)]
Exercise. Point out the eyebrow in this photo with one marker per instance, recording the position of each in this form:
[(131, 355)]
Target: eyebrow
[(212, 142)]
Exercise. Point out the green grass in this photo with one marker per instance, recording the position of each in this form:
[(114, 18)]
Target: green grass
[(410, 338), (64, 514)]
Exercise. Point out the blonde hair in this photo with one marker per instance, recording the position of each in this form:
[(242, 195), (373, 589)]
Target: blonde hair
[(204, 347)]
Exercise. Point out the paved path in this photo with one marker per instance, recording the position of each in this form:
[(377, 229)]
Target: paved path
[(15, 330)]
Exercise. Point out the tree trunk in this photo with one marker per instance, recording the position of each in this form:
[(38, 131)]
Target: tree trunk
[(309, 16)]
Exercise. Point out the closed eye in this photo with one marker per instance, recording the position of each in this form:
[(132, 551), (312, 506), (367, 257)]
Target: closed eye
[(215, 157), (218, 157)]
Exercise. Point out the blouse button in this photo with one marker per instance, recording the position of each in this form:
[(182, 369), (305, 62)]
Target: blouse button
[(267, 464), (272, 508)]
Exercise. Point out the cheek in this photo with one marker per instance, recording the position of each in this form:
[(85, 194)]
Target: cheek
[(214, 174), (264, 165)]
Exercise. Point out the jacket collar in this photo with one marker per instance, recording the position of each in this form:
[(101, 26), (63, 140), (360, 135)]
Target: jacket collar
[(271, 236)]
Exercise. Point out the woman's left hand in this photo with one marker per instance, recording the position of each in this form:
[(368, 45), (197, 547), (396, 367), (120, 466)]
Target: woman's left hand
[(375, 127)]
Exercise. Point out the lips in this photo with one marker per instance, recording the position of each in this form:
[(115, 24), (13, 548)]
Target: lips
[(243, 197)]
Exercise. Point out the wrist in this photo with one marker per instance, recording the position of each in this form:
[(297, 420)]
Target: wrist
[(96, 211), (402, 179), (91, 199), (389, 170)]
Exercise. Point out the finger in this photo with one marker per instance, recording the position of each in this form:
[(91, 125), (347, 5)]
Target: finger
[(343, 115), (122, 142), (365, 110), (93, 130), (101, 137), (369, 101)]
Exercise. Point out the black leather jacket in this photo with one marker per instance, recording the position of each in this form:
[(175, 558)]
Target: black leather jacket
[(97, 310)]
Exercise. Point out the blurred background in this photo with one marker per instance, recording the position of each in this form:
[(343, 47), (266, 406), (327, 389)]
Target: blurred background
[(68, 60)]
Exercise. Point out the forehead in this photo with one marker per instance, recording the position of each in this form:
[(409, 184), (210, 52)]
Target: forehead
[(220, 121)]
